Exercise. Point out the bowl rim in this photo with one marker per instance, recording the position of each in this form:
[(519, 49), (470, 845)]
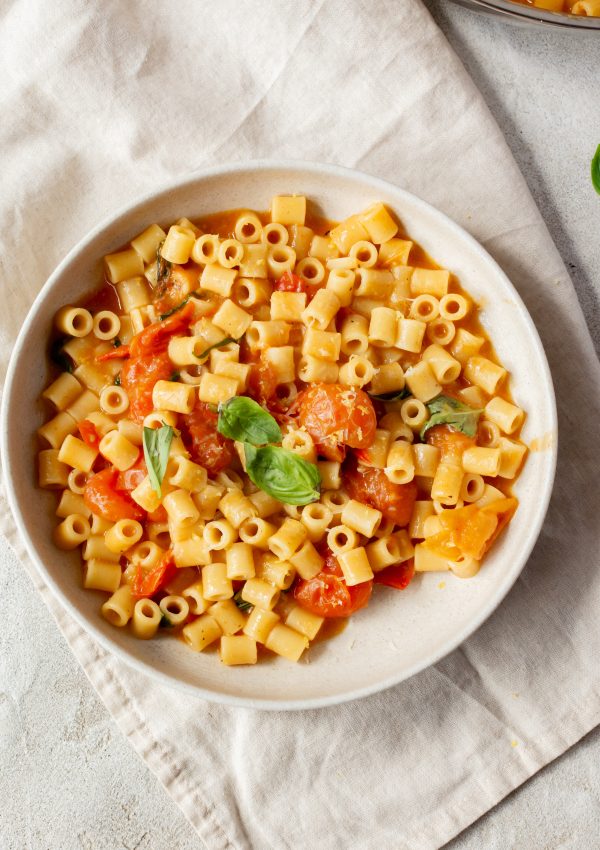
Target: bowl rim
[(256, 166), (520, 13)]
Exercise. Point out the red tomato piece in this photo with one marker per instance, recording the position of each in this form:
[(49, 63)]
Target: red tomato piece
[(138, 377), (207, 447), (88, 432), (120, 353), (290, 282), (132, 477), (371, 486), (180, 283), (155, 338), (328, 595), (147, 584), (262, 382), (451, 443), (335, 416), (102, 497), (398, 575)]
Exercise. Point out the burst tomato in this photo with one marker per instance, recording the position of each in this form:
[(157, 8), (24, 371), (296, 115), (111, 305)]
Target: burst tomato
[(207, 447), (335, 416), (290, 282), (103, 498), (149, 583), (450, 443), (132, 477), (138, 377), (181, 282), (155, 338), (372, 486), (327, 594), (398, 575), (262, 382), (88, 432)]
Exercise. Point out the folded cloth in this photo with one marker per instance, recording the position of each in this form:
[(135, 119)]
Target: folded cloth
[(103, 102)]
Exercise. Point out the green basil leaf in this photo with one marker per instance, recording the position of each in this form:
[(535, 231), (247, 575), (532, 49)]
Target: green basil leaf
[(175, 309), (175, 376), (117, 342), (244, 420), (59, 356), (225, 341), (283, 474), (596, 170), (394, 396), (157, 442), (445, 410), (117, 380), (241, 603)]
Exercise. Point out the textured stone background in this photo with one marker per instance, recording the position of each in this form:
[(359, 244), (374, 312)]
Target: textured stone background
[(68, 779)]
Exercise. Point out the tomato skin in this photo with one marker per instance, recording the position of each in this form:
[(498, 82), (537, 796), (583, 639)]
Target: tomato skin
[(290, 282), (138, 377), (103, 498), (88, 432), (334, 416), (132, 477), (327, 594), (147, 584), (155, 338), (262, 382), (451, 443), (207, 447), (371, 486), (398, 575)]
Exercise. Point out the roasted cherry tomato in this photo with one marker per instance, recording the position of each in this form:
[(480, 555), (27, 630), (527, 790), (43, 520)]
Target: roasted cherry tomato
[(149, 583), (290, 282), (103, 498), (180, 283), (155, 338), (138, 376), (262, 382), (207, 447), (451, 443), (371, 485), (132, 477), (336, 416), (88, 432), (327, 594), (398, 575)]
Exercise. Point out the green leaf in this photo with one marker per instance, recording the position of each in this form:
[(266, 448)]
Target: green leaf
[(117, 342), (60, 357), (170, 312), (283, 474), (243, 419), (117, 380), (175, 376), (241, 603), (445, 410), (163, 271), (225, 341), (394, 396), (157, 442), (596, 170)]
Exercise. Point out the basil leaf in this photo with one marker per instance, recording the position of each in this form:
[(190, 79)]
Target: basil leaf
[(163, 271), (117, 342), (225, 341), (394, 396), (157, 442), (170, 312), (283, 474), (117, 380), (241, 603), (60, 357), (175, 376), (244, 420), (448, 411), (596, 170)]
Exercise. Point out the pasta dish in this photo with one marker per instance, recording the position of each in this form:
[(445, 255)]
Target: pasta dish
[(260, 416)]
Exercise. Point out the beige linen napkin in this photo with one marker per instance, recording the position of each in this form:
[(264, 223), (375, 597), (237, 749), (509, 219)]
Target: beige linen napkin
[(103, 101)]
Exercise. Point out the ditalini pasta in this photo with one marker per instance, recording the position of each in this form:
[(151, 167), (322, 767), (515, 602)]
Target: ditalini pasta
[(589, 8), (262, 415)]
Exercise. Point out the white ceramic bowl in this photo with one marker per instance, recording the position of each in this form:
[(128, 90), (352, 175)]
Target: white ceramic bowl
[(400, 633)]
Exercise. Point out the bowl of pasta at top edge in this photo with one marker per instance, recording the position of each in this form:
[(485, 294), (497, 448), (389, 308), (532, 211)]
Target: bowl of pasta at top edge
[(277, 455)]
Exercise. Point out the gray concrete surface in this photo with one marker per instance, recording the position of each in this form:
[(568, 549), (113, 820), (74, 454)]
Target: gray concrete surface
[(68, 780)]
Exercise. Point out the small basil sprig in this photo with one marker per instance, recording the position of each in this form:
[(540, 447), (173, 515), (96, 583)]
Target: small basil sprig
[(282, 474), (596, 170), (157, 442), (445, 410), (244, 420), (241, 603), (59, 356), (219, 344), (397, 395)]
